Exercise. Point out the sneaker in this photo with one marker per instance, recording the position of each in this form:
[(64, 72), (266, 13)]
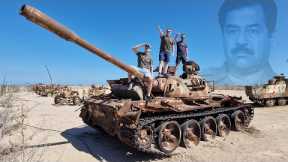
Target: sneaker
[(130, 86), (165, 75), (160, 75), (148, 98)]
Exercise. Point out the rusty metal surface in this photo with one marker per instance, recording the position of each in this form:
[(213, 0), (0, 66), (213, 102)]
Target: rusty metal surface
[(46, 90), (275, 89), (67, 96), (95, 91), (124, 118)]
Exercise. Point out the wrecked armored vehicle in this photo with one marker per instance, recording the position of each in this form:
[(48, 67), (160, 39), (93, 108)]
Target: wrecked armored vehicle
[(182, 110), (66, 96), (95, 91), (275, 92), (44, 90)]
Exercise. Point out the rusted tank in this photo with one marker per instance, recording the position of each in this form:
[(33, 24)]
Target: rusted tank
[(275, 92), (40, 89), (45, 90), (95, 91), (67, 96), (37, 87), (182, 110)]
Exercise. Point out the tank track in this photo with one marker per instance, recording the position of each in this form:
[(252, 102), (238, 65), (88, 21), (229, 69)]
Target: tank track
[(149, 120)]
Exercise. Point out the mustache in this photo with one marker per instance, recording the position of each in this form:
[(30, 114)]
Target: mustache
[(242, 49)]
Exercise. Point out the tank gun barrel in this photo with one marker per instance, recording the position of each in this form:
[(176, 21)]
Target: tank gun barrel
[(51, 25)]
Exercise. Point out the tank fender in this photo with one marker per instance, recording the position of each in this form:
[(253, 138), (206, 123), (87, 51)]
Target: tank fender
[(124, 109)]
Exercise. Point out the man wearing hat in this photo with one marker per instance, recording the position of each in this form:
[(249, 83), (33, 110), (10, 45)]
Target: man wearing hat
[(166, 48), (182, 49), (144, 65)]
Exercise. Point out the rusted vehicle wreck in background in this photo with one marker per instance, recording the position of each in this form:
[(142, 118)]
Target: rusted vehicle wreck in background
[(67, 96), (95, 91), (270, 94), (45, 90), (181, 112)]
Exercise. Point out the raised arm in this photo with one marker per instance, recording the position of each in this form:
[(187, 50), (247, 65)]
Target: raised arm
[(160, 31), (137, 47), (176, 37)]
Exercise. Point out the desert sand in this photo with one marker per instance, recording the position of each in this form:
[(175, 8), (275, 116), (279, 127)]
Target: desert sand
[(60, 135)]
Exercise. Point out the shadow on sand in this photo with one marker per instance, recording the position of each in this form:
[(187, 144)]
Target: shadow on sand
[(103, 147)]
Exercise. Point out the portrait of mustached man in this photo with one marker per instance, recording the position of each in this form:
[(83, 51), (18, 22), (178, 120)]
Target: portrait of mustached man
[(247, 28)]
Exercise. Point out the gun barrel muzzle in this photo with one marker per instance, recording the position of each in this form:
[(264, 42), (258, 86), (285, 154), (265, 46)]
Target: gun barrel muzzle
[(45, 21)]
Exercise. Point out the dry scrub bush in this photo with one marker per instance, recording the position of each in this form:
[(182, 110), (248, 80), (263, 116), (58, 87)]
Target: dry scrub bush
[(3, 89), (12, 137), (8, 89), (9, 120)]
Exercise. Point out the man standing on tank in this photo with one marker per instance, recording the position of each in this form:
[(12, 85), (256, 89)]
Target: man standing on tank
[(144, 65), (166, 48), (182, 50)]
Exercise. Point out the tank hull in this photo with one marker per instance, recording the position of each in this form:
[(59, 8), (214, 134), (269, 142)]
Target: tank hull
[(127, 119)]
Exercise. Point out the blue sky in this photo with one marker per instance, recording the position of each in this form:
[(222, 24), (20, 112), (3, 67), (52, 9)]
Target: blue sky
[(114, 26)]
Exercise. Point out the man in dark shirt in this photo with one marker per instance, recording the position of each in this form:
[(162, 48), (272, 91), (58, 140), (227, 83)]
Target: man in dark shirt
[(166, 48), (182, 50), (144, 65)]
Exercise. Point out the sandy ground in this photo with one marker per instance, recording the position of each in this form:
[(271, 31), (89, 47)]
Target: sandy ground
[(68, 139)]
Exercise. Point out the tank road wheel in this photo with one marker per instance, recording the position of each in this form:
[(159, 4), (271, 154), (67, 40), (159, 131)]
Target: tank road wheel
[(223, 125), (76, 100), (238, 120), (282, 101), (169, 136), (191, 133), (62, 101), (57, 100), (145, 137), (270, 102), (208, 128)]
